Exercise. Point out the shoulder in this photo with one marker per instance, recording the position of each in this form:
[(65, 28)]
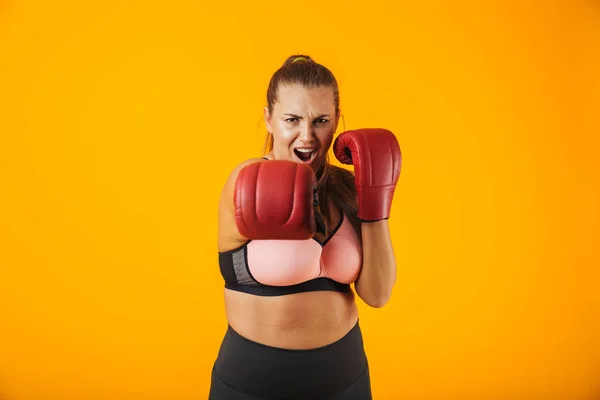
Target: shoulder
[(229, 186), (245, 163), (236, 170)]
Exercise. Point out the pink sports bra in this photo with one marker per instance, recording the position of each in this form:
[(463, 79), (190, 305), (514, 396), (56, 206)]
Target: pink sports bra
[(279, 267)]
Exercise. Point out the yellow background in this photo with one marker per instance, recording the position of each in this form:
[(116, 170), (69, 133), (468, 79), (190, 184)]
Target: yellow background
[(120, 120)]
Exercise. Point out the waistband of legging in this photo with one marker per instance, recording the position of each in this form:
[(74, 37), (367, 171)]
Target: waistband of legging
[(271, 372)]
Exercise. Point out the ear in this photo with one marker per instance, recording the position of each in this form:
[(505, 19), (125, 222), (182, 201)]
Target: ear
[(268, 119)]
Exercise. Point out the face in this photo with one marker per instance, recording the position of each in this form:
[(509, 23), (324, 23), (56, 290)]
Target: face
[(303, 123)]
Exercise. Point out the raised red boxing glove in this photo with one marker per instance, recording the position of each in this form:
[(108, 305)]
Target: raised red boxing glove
[(375, 154), (276, 200)]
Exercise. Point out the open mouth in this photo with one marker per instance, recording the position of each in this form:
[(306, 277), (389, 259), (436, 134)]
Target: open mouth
[(305, 155)]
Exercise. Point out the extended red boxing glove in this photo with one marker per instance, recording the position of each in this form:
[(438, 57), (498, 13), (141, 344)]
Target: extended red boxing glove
[(375, 154), (276, 200)]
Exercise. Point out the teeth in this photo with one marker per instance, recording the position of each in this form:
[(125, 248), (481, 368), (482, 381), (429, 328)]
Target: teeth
[(305, 150)]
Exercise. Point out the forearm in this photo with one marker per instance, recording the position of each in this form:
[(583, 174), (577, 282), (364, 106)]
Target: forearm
[(378, 275)]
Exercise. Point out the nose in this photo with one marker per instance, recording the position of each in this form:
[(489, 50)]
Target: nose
[(307, 133)]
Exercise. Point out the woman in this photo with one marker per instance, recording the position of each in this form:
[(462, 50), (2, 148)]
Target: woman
[(294, 233)]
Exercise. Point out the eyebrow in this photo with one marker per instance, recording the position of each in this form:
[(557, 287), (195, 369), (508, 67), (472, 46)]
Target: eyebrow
[(297, 116)]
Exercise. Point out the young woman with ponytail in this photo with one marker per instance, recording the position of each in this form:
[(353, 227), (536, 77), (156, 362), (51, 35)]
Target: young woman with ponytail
[(295, 232)]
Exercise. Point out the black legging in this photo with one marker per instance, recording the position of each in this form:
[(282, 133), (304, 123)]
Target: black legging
[(246, 370)]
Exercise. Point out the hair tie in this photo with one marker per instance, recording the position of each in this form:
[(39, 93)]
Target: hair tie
[(299, 59)]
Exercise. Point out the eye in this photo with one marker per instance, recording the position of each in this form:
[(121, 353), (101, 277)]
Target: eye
[(292, 120), (321, 121)]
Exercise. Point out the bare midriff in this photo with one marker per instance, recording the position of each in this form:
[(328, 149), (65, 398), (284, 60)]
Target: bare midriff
[(305, 320)]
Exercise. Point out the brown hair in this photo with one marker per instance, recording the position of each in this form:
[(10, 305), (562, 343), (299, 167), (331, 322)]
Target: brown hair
[(335, 184)]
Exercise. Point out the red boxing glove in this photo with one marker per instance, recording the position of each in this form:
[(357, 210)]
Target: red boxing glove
[(375, 154), (276, 200)]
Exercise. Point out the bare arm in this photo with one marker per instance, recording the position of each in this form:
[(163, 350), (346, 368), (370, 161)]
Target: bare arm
[(378, 275)]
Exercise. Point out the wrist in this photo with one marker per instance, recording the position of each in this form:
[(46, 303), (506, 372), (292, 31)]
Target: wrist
[(374, 227)]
